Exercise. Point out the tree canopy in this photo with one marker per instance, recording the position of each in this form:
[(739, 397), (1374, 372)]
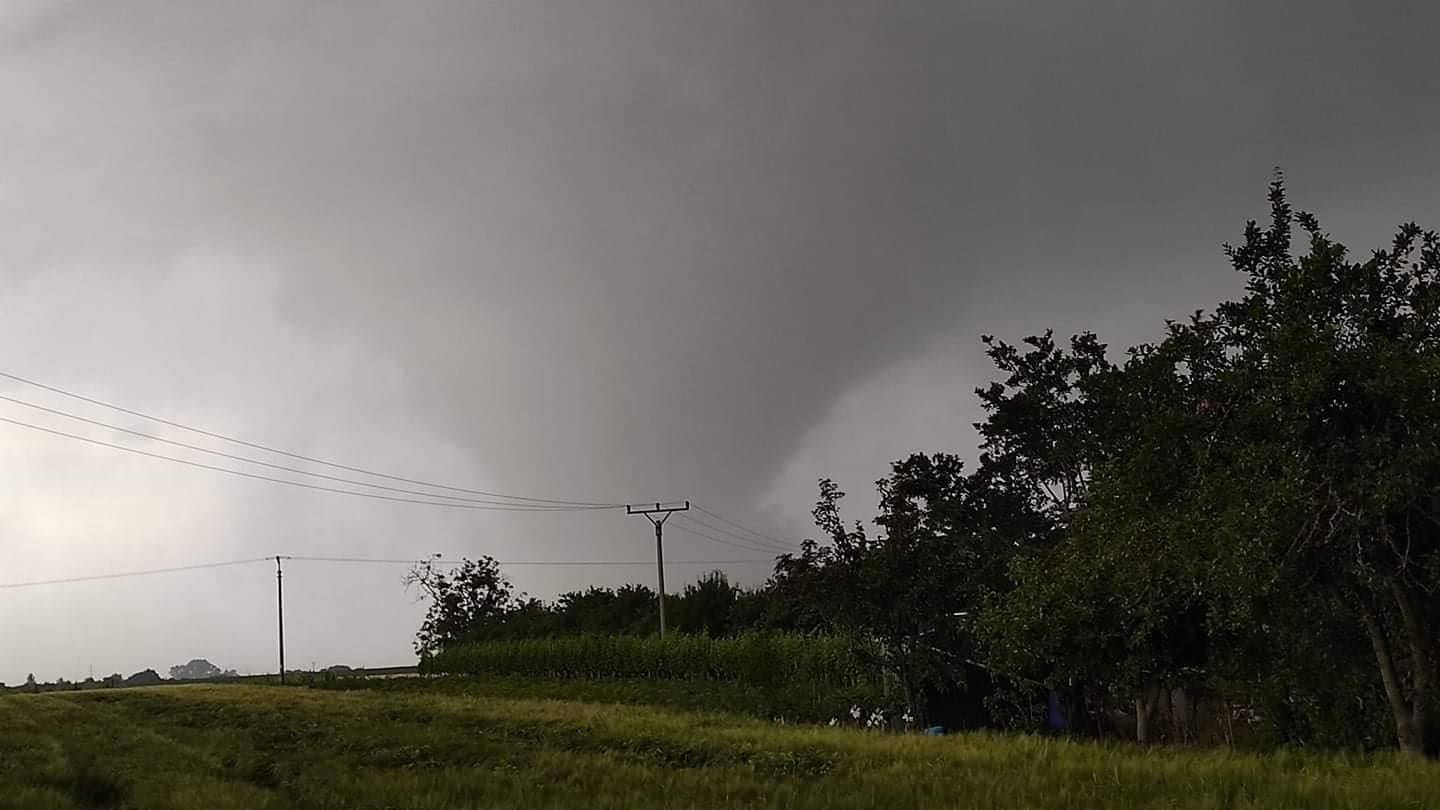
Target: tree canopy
[(1248, 506)]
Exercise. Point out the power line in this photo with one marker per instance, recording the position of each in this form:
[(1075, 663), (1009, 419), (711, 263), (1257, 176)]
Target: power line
[(682, 527), (249, 460), (257, 477), (123, 574), (529, 503), (747, 542), (745, 528), (386, 561), (399, 561), (361, 560), (727, 533), (298, 456)]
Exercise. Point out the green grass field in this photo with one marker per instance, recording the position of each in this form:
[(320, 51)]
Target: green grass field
[(246, 746)]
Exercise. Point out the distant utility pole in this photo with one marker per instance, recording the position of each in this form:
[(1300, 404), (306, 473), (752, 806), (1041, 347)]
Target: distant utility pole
[(280, 612), (664, 510)]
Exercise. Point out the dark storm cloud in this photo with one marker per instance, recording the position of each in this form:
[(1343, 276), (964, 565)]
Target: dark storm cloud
[(640, 250)]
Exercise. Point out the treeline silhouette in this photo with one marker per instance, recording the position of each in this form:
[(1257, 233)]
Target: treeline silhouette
[(475, 602), (1238, 523)]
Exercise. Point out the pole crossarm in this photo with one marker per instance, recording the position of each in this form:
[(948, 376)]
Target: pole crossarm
[(659, 506)]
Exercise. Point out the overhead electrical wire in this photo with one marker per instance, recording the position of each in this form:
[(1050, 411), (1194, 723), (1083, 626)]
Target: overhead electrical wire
[(752, 540), (124, 574), (248, 460), (743, 528), (369, 560), (775, 546), (300, 456), (400, 561), (704, 530), (738, 542), (302, 484), (763, 550)]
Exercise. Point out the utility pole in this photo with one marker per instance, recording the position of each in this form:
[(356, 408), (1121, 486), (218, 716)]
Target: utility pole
[(664, 510), (280, 612)]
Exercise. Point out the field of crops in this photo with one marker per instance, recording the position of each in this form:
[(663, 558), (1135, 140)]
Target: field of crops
[(232, 746), (796, 676)]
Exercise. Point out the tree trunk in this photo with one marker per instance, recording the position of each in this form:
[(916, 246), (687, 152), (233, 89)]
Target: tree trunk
[(1180, 715), (1145, 705), (1408, 733), (912, 702), (1421, 659), (1165, 731)]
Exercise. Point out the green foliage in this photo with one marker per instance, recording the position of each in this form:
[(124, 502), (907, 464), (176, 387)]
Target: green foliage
[(813, 676), (763, 659), (1257, 504), (912, 588), (627, 609), (1330, 371), (199, 669), (708, 606), (476, 602), (1048, 423), (464, 603)]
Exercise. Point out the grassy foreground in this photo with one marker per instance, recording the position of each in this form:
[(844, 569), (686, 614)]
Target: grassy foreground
[(727, 697), (230, 746)]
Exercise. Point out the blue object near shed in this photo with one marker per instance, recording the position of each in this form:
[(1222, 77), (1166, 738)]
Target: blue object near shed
[(1055, 717)]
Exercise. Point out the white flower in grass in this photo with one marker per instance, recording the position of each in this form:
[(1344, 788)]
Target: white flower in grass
[(854, 712), (834, 722), (907, 717)]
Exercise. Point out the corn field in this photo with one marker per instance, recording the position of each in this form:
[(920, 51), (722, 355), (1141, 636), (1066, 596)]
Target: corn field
[(804, 676)]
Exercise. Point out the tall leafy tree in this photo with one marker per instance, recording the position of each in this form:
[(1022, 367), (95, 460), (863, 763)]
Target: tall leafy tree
[(707, 606), (1048, 422), (465, 603), (1112, 606), (910, 587), (197, 668), (1330, 404), (1270, 464)]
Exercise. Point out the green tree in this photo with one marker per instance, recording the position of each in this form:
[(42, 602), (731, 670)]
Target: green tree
[(1329, 406), (465, 603), (707, 606), (1268, 466), (145, 677), (1048, 423), (530, 618), (912, 587), (1055, 418), (198, 668), (629, 609)]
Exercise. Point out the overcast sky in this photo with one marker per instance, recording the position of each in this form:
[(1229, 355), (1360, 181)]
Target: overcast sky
[(596, 250)]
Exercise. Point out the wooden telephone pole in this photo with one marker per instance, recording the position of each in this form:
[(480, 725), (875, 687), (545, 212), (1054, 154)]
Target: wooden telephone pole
[(280, 611), (664, 510)]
